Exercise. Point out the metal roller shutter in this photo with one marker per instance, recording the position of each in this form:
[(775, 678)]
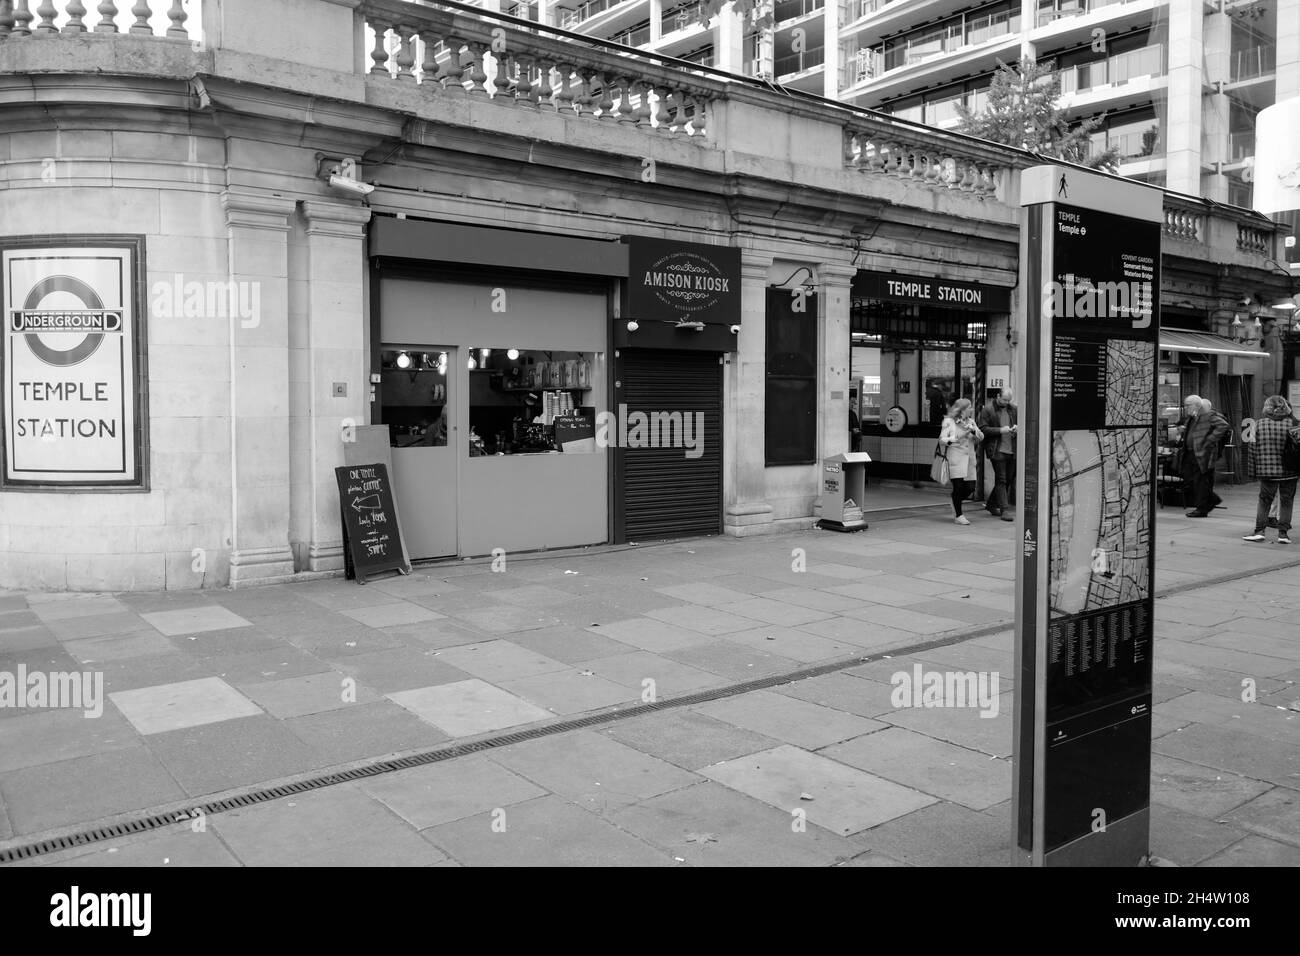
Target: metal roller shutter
[(664, 493)]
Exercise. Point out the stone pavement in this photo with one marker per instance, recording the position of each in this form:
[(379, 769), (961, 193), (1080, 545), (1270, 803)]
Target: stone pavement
[(210, 693)]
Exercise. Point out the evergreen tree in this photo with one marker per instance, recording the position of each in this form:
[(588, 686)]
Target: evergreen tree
[(1023, 111)]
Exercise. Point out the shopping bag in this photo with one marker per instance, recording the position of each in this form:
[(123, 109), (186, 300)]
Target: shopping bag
[(939, 471)]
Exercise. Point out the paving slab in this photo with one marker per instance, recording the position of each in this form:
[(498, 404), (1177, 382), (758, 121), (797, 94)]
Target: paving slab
[(671, 679), (363, 731), (931, 766), (868, 635), (593, 771), (499, 660), (312, 694), (235, 753), (1255, 851), (335, 826), (1255, 718), (572, 691), (795, 644), (844, 800), (391, 615), (64, 607), (167, 707), (400, 668), (708, 595), (703, 620), (435, 635), (468, 707), (1234, 750), (18, 639), (193, 620), (688, 739), (570, 644), (789, 719), (1275, 815), (440, 793), (768, 611), (941, 834), (873, 596), (98, 625), (1186, 838), (547, 831), (709, 824), (124, 779), (120, 647), (816, 599), (49, 736), (506, 619), (650, 635), (733, 661), (1258, 643), (906, 619), (839, 691), (964, 726), (175, 847)]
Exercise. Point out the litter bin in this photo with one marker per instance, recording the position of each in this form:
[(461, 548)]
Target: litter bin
[(844, 483)]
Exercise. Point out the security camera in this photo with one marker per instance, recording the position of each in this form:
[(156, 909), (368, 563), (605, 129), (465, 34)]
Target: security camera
[(735, 330), (352, 187)]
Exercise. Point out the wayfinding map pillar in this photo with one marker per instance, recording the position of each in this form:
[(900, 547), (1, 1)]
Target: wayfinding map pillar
[(1090, 270)]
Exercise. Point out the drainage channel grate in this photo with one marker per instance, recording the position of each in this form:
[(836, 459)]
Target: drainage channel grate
[(28, 851)]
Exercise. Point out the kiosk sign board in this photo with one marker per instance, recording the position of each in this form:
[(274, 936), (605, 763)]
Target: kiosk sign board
[(73, 357), (372, 542), (1085, 583)]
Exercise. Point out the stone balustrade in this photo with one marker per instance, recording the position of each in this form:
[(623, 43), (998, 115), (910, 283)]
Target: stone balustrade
[(453, 53), (1252, 239), (27, 18), (1185, 225), (883, 151)]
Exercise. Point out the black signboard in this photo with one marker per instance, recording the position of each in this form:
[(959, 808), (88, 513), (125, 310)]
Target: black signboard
[(681, 281), (932, 291), (371, 542), (1085, 592)]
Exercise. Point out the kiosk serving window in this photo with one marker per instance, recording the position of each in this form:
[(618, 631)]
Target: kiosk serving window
[(530, 401), (415, 396)]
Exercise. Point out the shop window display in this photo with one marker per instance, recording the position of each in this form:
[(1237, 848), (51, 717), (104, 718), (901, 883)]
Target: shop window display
[(525, 402)]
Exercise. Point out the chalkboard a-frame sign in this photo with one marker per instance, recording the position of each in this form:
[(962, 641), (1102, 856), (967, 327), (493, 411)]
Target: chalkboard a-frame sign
[(371, 542)]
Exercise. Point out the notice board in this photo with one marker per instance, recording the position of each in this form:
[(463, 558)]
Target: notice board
[(1086, 564), (371, 539)]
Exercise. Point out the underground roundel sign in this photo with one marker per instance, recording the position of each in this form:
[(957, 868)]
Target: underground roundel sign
[(71, 401)]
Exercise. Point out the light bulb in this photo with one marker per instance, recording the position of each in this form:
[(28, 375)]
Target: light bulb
[(403, 360), (471, 363), (512, 354)]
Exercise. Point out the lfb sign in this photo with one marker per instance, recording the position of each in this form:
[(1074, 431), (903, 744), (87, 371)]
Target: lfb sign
[(72, 359)]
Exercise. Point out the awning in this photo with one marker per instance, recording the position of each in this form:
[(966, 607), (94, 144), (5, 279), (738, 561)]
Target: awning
[(1182, 340)]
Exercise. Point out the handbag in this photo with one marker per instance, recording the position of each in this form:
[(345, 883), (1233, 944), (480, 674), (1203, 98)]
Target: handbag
[(939, 470)]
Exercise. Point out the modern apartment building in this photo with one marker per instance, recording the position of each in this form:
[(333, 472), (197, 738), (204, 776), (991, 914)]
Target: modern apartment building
[(1179, 81)]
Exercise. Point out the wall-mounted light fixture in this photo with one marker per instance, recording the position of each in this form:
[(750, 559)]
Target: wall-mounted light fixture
[(403, 359), (633, 325), (512, 354)]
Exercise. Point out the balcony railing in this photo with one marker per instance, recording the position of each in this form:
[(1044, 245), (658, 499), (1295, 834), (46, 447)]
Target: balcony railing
[(793, 9), (1073, 8), (568, 19), (682, 17), (1253, 63), (948, 37), (851, 10), (637, 37), (798, 62), (1148, 61), (1241, 145)]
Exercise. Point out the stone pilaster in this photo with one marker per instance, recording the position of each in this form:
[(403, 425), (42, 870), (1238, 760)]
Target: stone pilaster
[(744, 470), (257, 231), (328, 342)]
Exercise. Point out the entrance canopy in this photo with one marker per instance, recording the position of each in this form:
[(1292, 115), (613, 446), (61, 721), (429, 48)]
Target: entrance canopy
[(1184, 340)]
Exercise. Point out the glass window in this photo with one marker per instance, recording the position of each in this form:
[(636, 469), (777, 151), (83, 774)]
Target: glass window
[(790, 404), (938, 372), (414, 384), (530, 402)]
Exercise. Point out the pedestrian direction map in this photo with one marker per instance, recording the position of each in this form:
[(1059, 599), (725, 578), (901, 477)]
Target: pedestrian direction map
[(1130, 376), (1101, 488)]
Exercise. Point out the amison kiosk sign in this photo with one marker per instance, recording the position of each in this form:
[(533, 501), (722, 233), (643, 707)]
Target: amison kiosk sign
[(73, 362)]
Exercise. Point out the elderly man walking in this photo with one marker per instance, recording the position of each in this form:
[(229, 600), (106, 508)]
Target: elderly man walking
[(998, 422), (1203, 431)]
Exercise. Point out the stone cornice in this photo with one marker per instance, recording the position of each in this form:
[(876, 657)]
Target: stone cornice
[(335, 219), (254, 211)]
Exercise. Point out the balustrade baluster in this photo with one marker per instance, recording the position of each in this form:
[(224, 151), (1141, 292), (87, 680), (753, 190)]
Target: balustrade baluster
[(585, 101), (6, 19), (177, 16), (564, 92), (606, 103), (502, 81), (876, 161), (107, 14), (405, 53), (47, 10), (429, 63), (663, 116), (22, 17), (917, 169), (625, 100), (76, 10), (699, 121), (524, 90), (477, 75), (642, 115), (455, 68), (545, 85), (380, 53), (142, 15), (850, 156)]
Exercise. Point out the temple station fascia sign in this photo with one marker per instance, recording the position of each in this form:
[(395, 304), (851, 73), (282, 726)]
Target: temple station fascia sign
[(74, 363), (931, 291), (681, 282), (1090, 264)]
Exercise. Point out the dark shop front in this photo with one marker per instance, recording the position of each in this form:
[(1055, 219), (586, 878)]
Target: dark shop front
[(919, 343)]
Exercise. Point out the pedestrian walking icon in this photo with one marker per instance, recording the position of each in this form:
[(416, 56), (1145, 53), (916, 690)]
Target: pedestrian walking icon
[(1062, 189)]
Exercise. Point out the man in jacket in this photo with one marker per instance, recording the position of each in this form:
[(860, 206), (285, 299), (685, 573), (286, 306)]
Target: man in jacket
[(1203, 432), (997, 421), (1269, 463)]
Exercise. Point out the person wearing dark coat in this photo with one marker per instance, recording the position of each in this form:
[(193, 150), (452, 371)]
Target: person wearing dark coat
[(997, 420), (1203, 432), (1268, 462)]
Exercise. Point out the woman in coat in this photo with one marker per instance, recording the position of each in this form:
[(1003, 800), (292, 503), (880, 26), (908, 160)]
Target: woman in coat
[(959, 438), (1268, 463)]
